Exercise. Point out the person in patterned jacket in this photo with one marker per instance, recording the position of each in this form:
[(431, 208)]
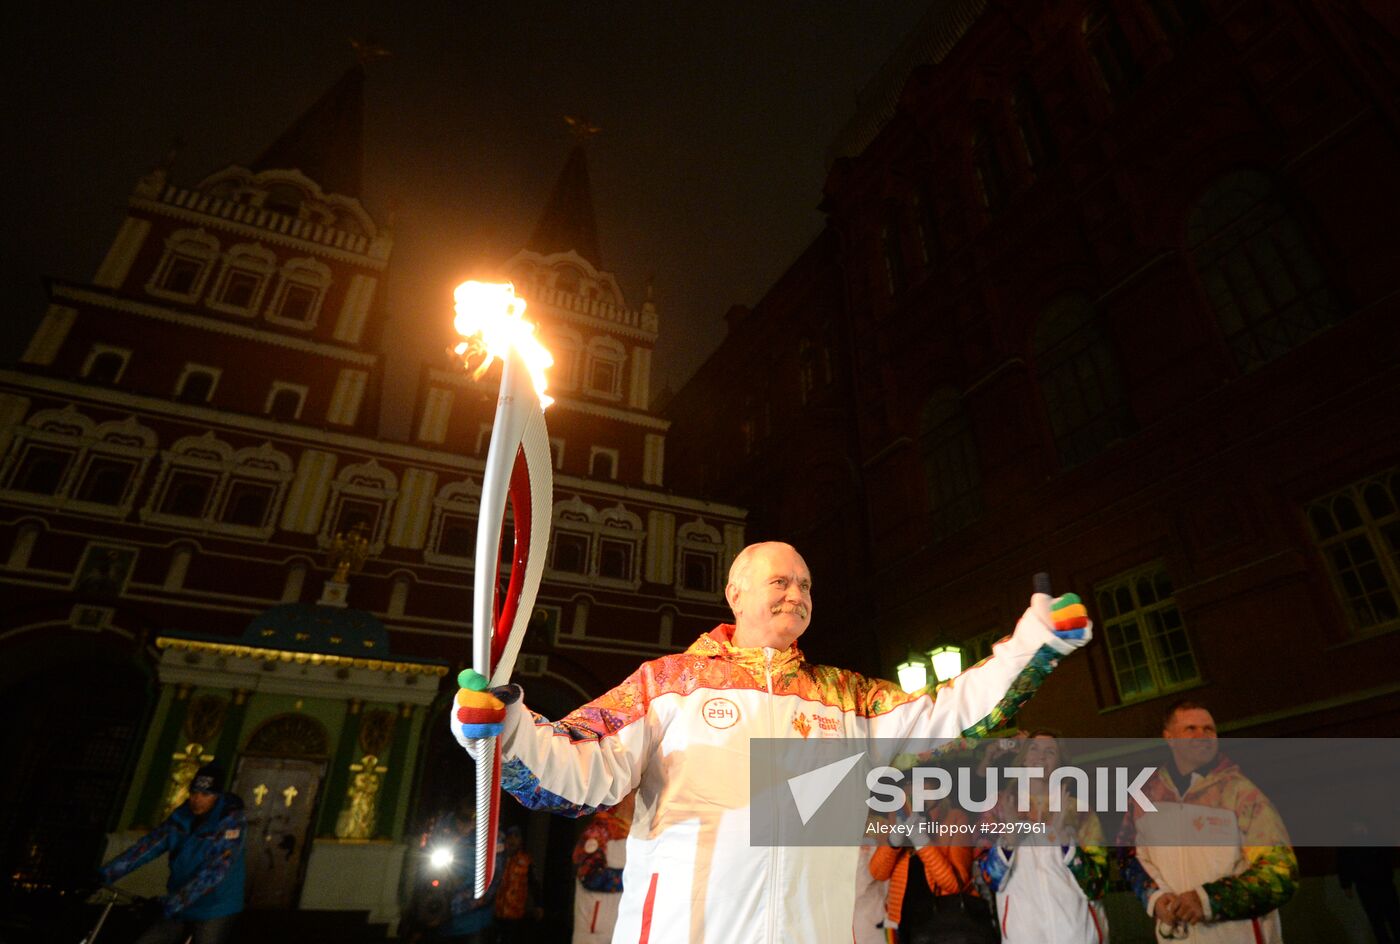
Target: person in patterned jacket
[(1229, 888), (599, 857), (204, 838), (678, 729)]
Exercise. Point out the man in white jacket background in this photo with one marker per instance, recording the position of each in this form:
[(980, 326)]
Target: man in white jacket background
[(678, 730)]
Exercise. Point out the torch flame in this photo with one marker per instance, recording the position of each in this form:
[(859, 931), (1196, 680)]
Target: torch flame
[(490, 316)]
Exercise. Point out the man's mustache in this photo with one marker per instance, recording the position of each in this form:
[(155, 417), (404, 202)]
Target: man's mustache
[(797, 610)]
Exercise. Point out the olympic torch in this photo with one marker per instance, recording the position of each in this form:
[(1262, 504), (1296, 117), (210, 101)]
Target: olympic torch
[(490, 319)]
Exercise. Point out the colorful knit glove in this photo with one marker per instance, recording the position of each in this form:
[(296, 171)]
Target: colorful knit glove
[(1069, 616), (479, 713)]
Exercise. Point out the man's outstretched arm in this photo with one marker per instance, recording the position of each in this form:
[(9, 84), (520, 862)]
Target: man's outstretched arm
[(988, 695)]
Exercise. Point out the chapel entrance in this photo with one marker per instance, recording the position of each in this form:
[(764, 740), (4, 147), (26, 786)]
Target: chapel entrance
[(279, 778)]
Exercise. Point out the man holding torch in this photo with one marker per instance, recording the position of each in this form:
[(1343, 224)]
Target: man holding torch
[(677, 730)]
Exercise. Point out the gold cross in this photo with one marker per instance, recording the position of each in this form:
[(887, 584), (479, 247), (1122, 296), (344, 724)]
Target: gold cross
[(291, 794), (259, 792)]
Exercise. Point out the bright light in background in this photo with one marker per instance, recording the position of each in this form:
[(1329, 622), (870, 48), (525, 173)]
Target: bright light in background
[(913, 675), (490, 317), (947, 662), (440, 858)]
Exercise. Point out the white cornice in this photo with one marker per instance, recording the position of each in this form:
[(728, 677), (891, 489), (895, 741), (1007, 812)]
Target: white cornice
[(257, 232), (293, 435), (214, 325)]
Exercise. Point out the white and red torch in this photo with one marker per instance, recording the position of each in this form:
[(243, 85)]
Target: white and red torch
[(490, 320)]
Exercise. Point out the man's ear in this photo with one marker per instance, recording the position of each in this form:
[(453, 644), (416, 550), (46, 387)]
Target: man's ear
[(731, 594)]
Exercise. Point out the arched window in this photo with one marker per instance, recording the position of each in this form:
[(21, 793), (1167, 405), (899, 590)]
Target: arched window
[(699, 548), (1258, 270), (196, 384), (602, 463), (61, 458), (297, 301), (183, 270), (1080, 381), (604, 378), (243, 280), (105, 365), (362, 496), (952, 484), (452, 536), (1113, 58), (566, 347), (284, 400)]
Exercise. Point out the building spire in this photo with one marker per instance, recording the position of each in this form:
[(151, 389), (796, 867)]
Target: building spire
[(326, 142), (568, 221)]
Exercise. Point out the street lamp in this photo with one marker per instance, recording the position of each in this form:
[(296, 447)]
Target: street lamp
[(913, 674), (946, 662)]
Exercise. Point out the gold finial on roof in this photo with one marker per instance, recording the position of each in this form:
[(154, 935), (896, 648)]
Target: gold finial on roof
[(581, 128), (348, 551)]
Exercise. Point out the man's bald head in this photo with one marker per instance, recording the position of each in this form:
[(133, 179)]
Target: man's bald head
[(739, 570), (770, 592)]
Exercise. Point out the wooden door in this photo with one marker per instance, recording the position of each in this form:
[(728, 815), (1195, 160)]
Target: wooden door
[(280, 798)]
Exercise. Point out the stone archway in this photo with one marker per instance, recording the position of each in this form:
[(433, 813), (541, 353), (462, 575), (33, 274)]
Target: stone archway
[(280, 774)]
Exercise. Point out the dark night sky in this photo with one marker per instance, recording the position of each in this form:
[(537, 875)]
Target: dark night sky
[(716, 120)]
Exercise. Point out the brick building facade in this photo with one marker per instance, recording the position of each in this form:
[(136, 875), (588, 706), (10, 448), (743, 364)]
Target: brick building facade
[(191, 442)]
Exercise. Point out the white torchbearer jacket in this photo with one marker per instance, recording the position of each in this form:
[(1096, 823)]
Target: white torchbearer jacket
[(678, 731)]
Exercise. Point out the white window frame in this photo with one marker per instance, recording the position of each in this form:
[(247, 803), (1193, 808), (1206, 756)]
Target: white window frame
[(191, 369), (1155, 657), (194, 244), (609, 351), (83, 439), (612, 454), (97, 350), (697, 537), (367, 482), (280, 386), (304, 273), (247, 259), (455, 498)]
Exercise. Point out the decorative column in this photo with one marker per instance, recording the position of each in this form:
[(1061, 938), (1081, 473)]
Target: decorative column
[(397, 778), (227, 750), (154, 787), (204, 719), (359, 815), (337, 776)]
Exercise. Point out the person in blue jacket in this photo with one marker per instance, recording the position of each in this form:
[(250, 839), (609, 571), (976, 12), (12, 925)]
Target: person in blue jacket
[(204, 837)]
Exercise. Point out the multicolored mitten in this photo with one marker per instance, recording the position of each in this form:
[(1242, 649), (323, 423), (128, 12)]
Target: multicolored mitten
[(1069, 616), (480, 714)]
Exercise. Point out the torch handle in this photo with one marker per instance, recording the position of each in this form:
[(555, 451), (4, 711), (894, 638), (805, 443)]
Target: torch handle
[(1040, 583)]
